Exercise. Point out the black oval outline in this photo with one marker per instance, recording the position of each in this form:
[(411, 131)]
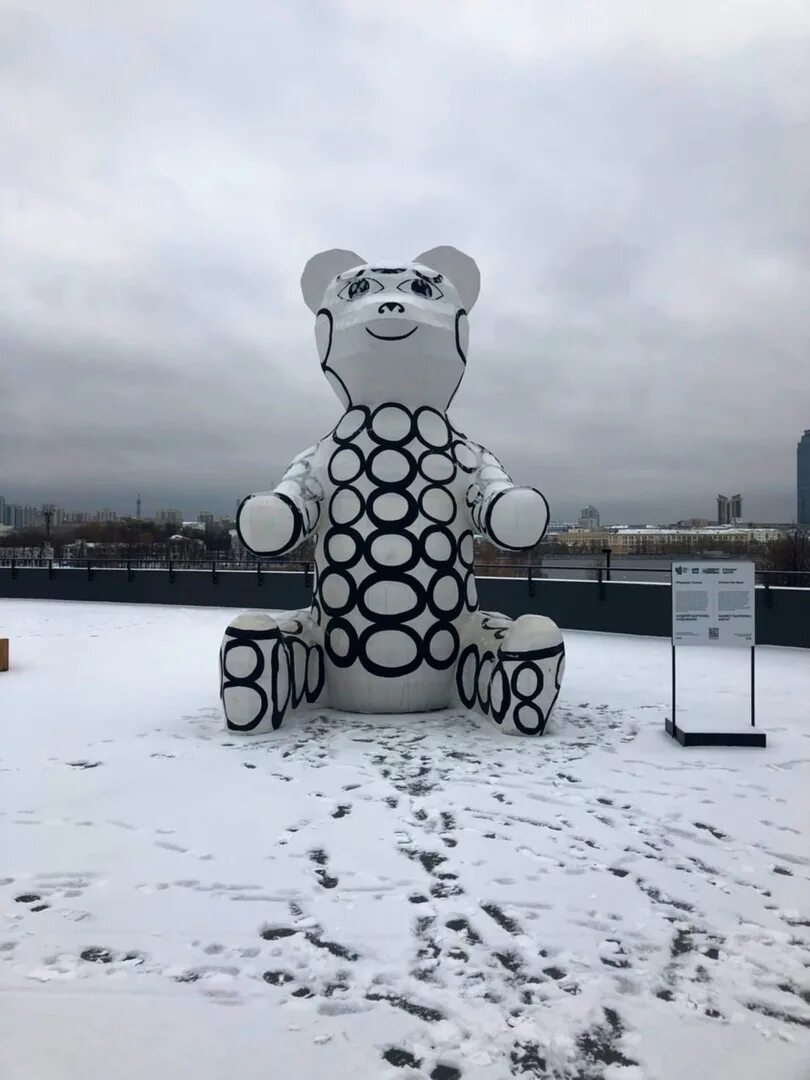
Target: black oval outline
[(384, 523), (391, 621), (361, 499), (441, 665), (451, 497), (258, 671), (391, 485), (498, 716), (483, 703), (468, 565), (345, 441), (451, 613), (467, 577), (541, 722), (422, 440), (360, 457), (444, 457), (466, 653), (352, 655), (445, 531), (524, 665), (391, 442), (336, 570), (464, 468), (390, 673), (358, 552), (400, 568)]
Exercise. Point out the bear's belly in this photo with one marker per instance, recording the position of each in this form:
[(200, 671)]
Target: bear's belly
[(394, 562), (391, 619)]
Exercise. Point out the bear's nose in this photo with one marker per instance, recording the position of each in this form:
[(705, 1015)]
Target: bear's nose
[(392, 306)]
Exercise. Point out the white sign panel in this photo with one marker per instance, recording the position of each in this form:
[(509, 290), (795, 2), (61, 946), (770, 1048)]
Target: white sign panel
[(713, 603)]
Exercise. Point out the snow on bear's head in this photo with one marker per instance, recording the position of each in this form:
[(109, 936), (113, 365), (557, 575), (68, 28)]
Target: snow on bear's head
[(391, 331)]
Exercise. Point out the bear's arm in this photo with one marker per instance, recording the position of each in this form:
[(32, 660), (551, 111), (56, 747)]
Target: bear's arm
[(512, 518), (275, 522)]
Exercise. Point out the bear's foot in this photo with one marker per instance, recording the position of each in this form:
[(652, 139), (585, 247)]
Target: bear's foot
[(511, 671), (268, 667)]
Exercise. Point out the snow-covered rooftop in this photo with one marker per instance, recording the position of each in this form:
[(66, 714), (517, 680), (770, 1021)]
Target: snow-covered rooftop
[(393, 897)]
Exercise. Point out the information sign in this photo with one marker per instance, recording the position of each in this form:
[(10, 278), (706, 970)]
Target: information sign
[(713, 603)]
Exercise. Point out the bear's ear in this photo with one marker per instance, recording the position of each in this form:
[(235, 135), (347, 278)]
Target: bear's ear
[(458, 267), (320, 270)]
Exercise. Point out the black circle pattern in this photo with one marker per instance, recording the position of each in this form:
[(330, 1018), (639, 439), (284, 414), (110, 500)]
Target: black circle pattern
[(296, 672), (388, 466), (487, 682)]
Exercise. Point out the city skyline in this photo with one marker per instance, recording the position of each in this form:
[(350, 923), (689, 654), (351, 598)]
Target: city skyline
[(125, 507), (642, 311)]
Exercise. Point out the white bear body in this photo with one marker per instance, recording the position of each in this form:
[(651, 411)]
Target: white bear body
[(394, 496)]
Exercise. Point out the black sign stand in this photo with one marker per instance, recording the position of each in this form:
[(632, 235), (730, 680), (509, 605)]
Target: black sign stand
[(717, 738)]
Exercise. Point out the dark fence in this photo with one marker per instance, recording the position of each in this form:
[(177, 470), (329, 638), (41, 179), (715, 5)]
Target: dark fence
[(621, 607)]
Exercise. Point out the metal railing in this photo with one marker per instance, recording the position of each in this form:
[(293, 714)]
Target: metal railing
[(218, 562)]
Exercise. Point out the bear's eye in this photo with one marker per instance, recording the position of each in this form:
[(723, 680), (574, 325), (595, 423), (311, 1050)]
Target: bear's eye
[(421, 287), (359, 286)]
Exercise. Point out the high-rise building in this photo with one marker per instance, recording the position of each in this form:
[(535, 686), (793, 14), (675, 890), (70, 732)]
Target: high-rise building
[(206, 517), (2, 511), (169, 517), (589, 518), (803, 479), (105, 516), (729, 510)]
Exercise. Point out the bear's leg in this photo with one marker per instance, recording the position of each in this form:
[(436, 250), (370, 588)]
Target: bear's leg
[(268, 667), (511, 670)]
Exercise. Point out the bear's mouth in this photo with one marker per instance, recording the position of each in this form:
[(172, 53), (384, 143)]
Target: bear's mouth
[(392, 337)]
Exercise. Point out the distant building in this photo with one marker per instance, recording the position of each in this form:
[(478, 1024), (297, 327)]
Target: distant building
[(652, 540), (729, 510), (104, 517), (168, 517), (803, 479), (24, 517), (589, 518), (206, 517)]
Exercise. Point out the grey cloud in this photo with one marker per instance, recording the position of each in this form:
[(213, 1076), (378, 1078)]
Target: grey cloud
[(635, 194)]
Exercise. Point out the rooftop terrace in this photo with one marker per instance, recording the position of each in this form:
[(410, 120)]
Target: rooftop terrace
[(393, 897)]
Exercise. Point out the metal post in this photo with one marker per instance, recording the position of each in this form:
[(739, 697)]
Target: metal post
[(258, 573), (674, 725), (753, 687), (606, 553), (531, 581)]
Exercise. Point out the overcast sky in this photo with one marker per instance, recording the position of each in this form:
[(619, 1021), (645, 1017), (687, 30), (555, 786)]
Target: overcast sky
[(632, 178)]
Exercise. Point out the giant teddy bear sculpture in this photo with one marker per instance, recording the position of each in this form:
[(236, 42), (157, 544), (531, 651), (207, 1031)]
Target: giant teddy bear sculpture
[(394, 496)]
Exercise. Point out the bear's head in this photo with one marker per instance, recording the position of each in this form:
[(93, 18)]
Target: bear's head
[(392, 331)]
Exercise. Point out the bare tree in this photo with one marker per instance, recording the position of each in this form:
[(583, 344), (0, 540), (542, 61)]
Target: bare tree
[(789, 553)]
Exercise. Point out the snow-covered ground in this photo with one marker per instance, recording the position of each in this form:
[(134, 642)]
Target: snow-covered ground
[(393, 897)]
